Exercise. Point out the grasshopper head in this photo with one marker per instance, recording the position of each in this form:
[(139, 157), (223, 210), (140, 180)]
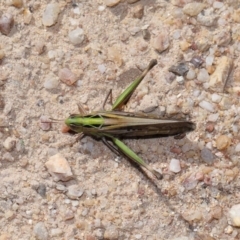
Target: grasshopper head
[(74, 122)]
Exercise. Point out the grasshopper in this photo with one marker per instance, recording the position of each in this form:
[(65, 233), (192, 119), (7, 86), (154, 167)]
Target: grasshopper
[(114, 124)]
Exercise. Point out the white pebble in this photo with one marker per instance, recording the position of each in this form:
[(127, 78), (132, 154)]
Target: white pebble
[(174, 165), (76, 36), (209, 60), (77, 10), (203, 75), (180, 79), (56, 232), (74, 191), (40, 231), (213, 117), (101, 8), (176, 34), (193, 9), (218, 4), (234, 214), (191, 74), (51, 54), (101, 68), (9, 144), (196, 93), (50, 14), (237, 148), (50, 82), (207, 106), (216, 98)]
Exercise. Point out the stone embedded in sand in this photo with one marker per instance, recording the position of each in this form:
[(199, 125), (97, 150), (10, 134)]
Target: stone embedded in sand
[(59, 168), (50, 15)]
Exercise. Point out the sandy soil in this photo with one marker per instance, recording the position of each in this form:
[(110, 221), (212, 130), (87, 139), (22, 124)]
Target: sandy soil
[(119, 200)]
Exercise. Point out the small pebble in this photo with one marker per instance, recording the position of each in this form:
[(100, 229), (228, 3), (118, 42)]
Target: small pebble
[(101, 8), (60, 187), (203, 75), (192, 215), (27, 14), (223, 142), (51, 82), (190, 182), (207, 155), (209, 60), (207, 18), (226, 103), (196, 61), (237, 148), (176, 34), (67, 76), (41, 190), (191, 74), (234, 214), (102, 68), (175, 166), (76, 36), (180, 79), (210, 127), (170, 77), (59, 168), (193, 9), (180, 69), (40, 231), (207, 106), (228, 230), (56, 232), (138, 11), (184, 45), (213, 117), (216, 98), (74, 191), (9, 144), (146, 34), (217, 212), (161, 42), (196, 93), (69, 215), (111, 3), (45, 123), (6, 23), (217, 4), (50, 15)]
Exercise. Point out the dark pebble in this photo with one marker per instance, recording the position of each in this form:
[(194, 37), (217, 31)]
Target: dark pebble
[(181, 69)]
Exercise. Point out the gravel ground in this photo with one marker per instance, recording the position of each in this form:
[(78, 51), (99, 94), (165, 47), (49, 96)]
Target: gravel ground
[(56, 55)]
